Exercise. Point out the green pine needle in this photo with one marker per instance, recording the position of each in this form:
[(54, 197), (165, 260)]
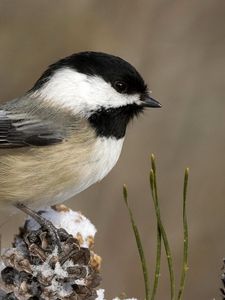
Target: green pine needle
[(185, 244), (139, 246), (153, 184), (161, 237), (157, 263)]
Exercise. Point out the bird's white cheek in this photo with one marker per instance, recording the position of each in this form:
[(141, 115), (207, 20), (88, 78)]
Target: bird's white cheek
[(81, 93)]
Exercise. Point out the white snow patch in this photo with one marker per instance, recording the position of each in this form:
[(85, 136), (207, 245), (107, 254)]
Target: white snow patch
[(73, 222), (81, 282), (45, 269), (100, 294), (63, 290), (59, 271)]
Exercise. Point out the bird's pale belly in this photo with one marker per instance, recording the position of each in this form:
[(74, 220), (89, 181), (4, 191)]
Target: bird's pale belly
[(46, 176), (103, 158)]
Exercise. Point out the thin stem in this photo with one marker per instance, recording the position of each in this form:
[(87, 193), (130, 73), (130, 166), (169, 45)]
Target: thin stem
[(139, 246), (185, 245), (153, 186), (157, 264), (162, 230)]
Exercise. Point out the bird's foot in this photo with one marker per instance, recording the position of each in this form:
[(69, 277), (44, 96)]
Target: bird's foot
[(44, 223)]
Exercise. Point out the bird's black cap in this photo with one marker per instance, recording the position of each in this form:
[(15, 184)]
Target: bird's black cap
[(111, 68)]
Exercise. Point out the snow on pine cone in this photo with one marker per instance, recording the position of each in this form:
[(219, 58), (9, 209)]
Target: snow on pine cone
[(34, 269)]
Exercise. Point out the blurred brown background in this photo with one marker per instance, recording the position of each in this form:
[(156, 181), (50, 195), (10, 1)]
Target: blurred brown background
[(179, 47)]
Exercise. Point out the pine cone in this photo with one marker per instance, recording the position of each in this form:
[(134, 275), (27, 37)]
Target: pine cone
[(34, 269)]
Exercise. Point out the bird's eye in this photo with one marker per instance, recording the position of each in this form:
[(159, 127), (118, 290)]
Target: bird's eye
[(120, 86)]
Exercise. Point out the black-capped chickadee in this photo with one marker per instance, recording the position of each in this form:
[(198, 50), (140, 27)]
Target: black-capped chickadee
[(67, 132)]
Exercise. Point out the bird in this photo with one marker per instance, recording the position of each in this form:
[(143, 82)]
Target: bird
[(67, 132)]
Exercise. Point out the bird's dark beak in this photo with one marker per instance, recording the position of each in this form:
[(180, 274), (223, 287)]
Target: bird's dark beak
[(147, 101)]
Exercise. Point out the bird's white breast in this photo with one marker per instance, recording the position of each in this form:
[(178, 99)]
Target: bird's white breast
[(102, 159), (105, 155)]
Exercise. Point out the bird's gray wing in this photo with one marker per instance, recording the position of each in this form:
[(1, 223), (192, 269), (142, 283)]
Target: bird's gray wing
[(21, 130)]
